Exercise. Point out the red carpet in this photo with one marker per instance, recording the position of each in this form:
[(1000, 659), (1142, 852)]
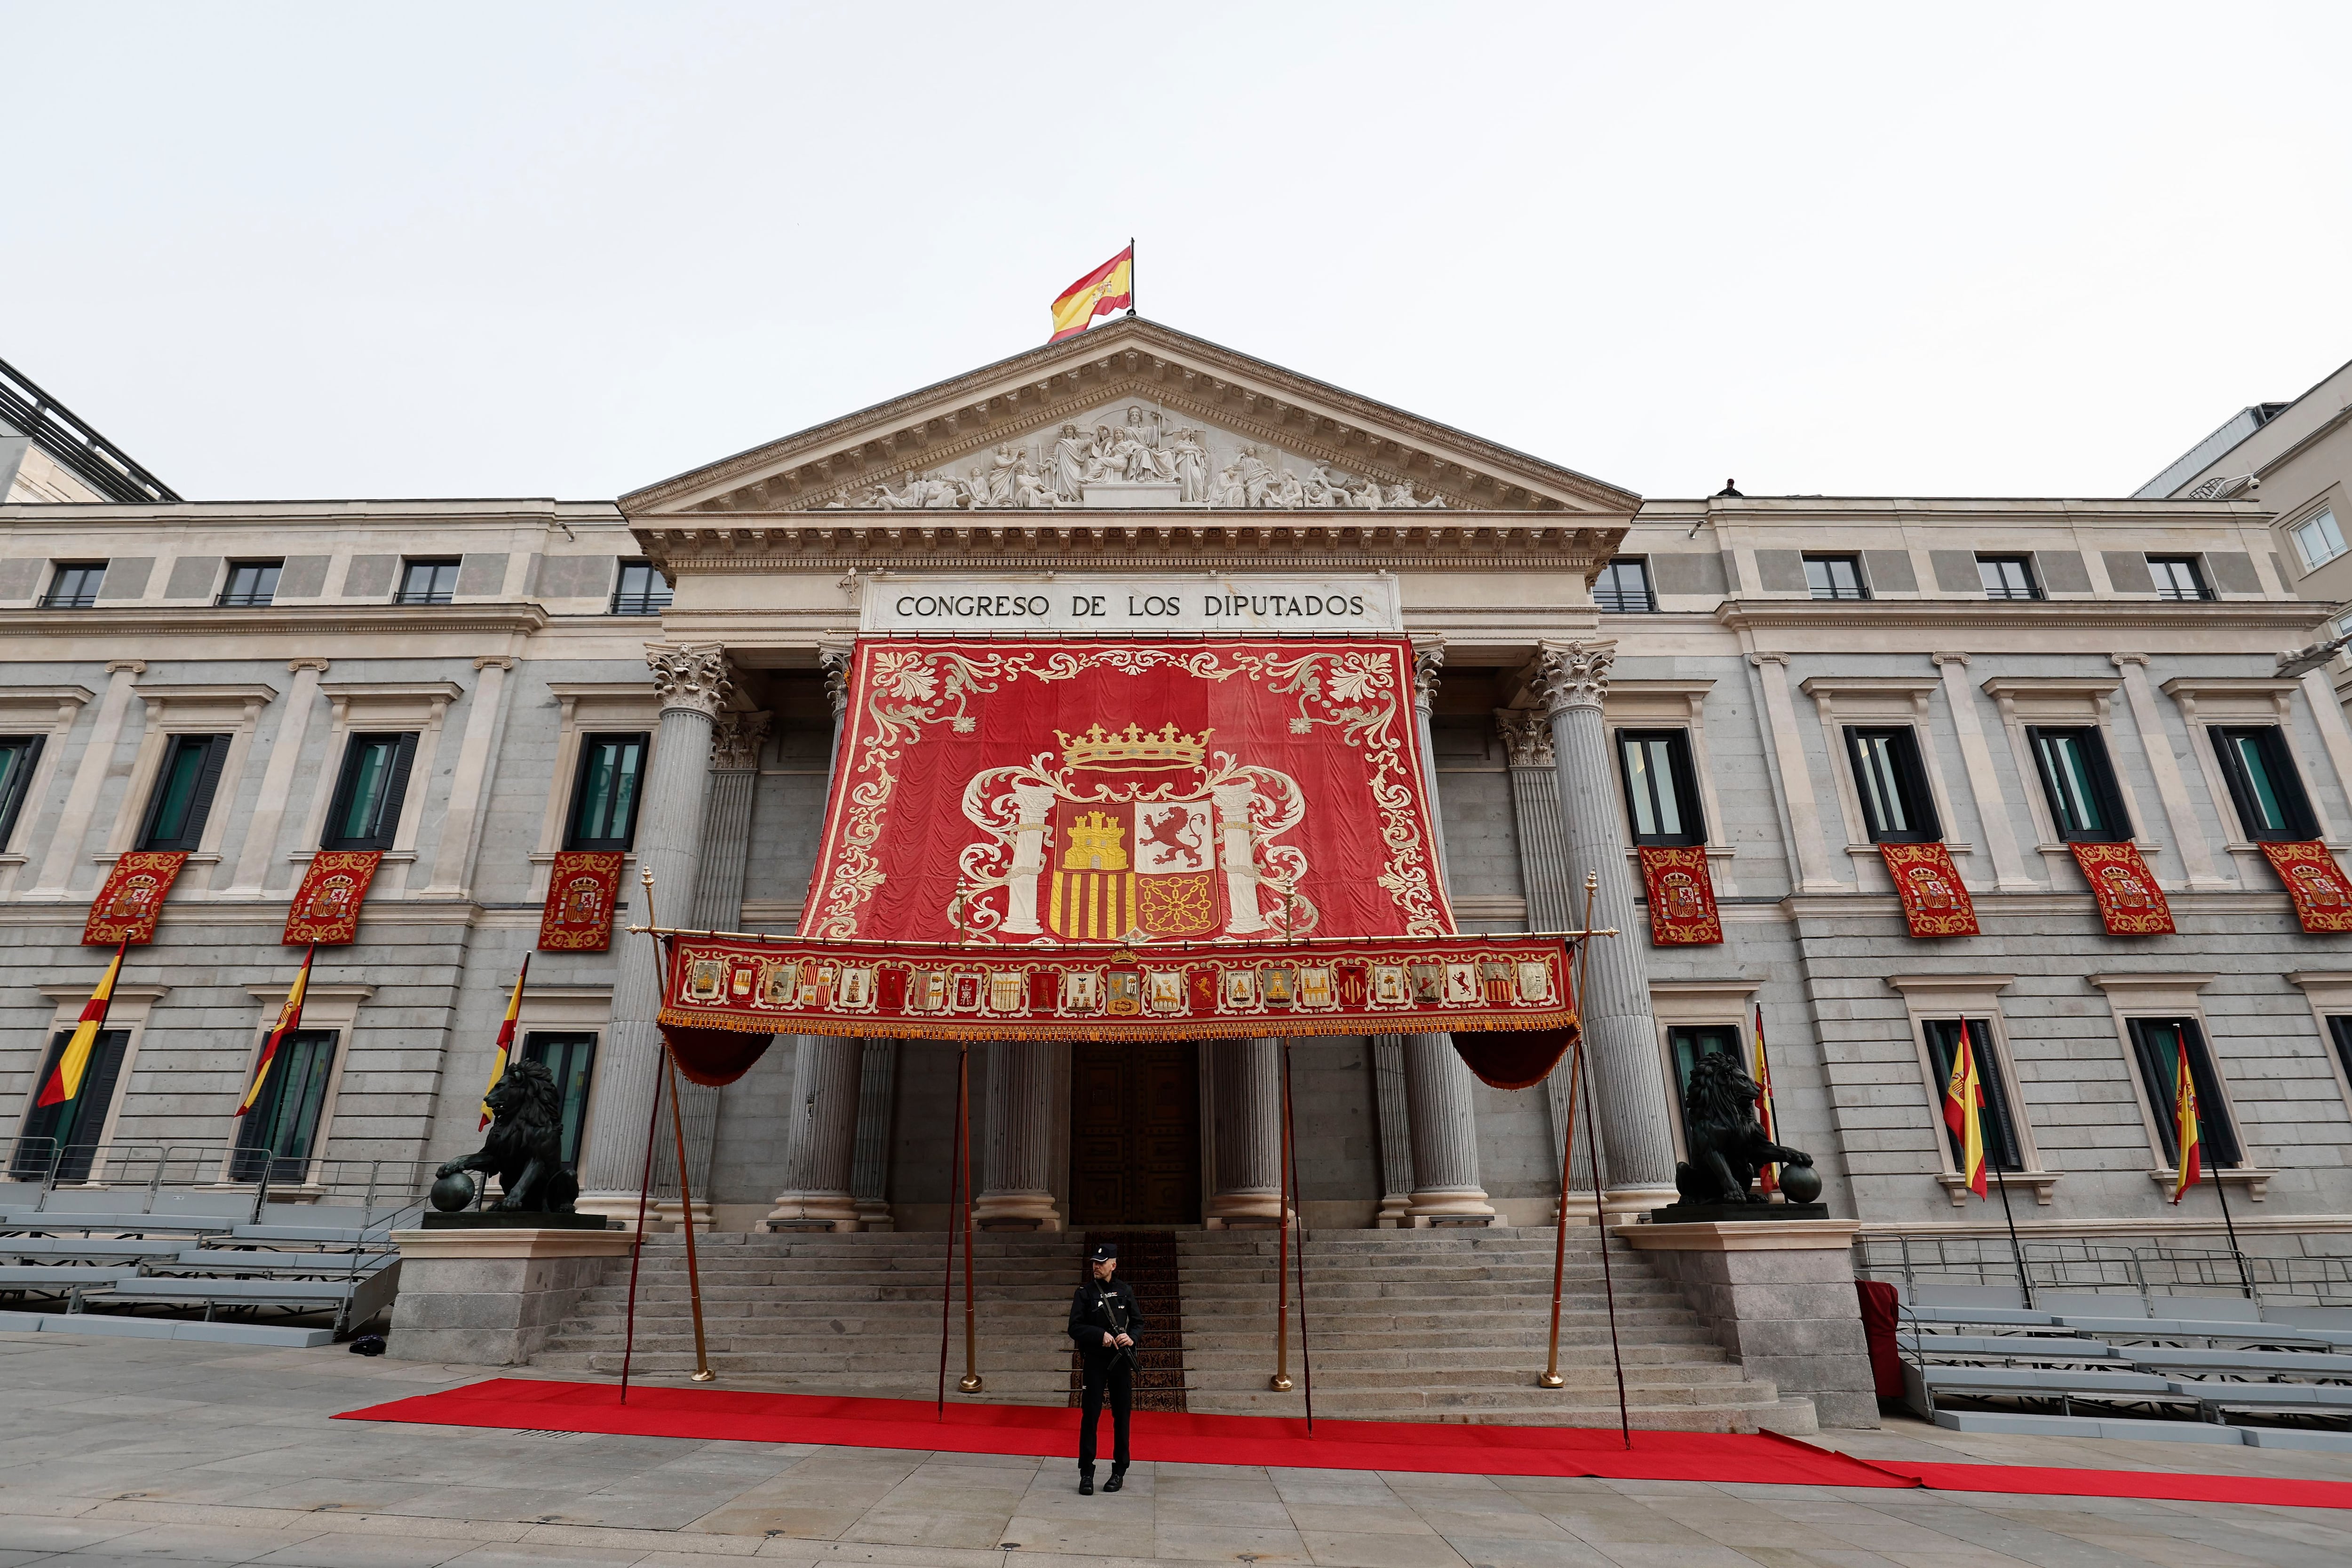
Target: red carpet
[(1051, 1432)]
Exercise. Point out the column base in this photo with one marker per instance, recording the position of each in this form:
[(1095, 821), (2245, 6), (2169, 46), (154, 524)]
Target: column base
[(671, 1211), (1032, 1211), (1451, 1206), (834, 1212), (1629, 1205), (622, 1208), (874, 1214), (1245, 1211), (1395, 1213)]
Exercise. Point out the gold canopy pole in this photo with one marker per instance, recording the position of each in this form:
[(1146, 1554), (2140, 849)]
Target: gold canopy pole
[(702, 1372), (1280, 1381), (970, 1382), (1550, 1377)]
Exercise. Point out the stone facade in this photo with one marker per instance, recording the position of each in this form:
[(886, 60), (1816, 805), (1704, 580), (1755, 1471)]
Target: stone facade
[(778, 555)]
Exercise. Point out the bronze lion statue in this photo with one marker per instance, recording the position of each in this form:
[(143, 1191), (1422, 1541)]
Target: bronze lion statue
[(525, 1148), (1728, 1145)]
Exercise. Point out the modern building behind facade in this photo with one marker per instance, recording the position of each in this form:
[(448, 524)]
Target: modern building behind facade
[(1787, 682)]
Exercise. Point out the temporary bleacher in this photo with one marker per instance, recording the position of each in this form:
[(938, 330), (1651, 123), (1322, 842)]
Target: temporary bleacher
[(2144, 1365)]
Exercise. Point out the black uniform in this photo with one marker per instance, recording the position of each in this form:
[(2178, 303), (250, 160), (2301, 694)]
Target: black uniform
[(1098, 1310)]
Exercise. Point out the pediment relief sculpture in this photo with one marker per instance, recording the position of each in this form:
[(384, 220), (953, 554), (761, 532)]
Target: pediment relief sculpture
[(1141, 455)]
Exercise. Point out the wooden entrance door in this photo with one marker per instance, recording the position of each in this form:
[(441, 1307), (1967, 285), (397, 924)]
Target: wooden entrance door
[(1135, 1134)]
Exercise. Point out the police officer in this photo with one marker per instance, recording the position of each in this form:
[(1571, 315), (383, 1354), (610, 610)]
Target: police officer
[(1104, 1324)]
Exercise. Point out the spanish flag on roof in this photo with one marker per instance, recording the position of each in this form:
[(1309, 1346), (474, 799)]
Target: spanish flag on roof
[(1110, 287), (74, 1060)]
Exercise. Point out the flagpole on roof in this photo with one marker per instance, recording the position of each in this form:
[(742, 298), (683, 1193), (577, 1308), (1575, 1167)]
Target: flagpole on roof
[(1130, 275)]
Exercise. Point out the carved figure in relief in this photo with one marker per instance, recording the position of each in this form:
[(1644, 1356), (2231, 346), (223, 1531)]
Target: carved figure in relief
[(1102, 457), (1326, 489), (1000, 475), (1368, 496), (1285, 492), (1190, 458), (1070, 463), (1030, 490)]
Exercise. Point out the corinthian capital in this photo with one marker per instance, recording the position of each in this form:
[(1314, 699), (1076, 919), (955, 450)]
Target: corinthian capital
[(735, 740), (832, 658), (1428, 658), (1574, 674), (1526, 736), (692, 675)]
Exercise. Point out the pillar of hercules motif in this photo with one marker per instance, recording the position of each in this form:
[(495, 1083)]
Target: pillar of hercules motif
[(1628, 1082), (1246, 1096), (694, 686)]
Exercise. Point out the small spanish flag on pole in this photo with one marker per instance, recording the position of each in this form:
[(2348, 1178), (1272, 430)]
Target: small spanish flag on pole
[(1110, 287), (2185, 1135), (506, 1040), (65, 1082), (1964, 1114), (1769, 1179), (290, 1018)]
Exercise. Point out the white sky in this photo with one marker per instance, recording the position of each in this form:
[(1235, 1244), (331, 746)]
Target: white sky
[(492, 249)]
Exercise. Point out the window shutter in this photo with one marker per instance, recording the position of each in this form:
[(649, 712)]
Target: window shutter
[(387, 822), (19, 781), (200, 805)]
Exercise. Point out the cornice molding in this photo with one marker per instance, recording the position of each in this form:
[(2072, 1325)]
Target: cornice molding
[(275, 620), (955, 418)]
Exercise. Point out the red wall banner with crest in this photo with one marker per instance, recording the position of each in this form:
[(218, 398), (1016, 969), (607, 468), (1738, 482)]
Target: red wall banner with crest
[(1681, 895), (583, 889), (1012, 793), (2323, 899), (326, 908), (1935, 901), (2130, 900), (127, 908)]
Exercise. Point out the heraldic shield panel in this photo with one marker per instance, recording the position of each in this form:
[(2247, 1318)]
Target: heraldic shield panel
[(1050, 793)]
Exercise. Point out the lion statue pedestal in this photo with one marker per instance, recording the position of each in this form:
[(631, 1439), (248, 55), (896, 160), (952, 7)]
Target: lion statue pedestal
[(1728, 1149)]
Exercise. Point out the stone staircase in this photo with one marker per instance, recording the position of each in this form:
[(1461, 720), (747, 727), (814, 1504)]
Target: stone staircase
[(1407, 1325)]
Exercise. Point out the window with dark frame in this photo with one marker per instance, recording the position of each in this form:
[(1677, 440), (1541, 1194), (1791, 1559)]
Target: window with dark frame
[(2008, 576), (605, 796), (1686, 1043), (2004, 1151), (1624, 588), (2177, 577), (2079, 782), (19, 755), (2339, 1034), (67, 1133), (1896, 807), (75, 586), (250, 584), (427, 583), (2263, 783), (2158, 1043), (570, 1057), (181, 797), (1661, 787), (280, 1132), (1835, 577), (365, 812), (640, 591)]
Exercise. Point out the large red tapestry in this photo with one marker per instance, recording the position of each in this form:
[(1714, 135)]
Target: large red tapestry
[(583, 889), (1191, 991), (326, 908), (127, 908), (2323, 899), (1681, 895), (1935, 903), (2130, 900), (995, 792)]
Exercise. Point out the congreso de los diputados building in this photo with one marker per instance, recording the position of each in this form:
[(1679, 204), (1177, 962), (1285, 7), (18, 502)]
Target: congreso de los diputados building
[(1859, 781)]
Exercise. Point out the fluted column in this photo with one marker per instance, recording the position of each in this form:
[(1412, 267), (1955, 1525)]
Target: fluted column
[(1016, 1187), (694, 684), (820, 1137), (1396, 1133), (869, 1166), (1628, 1081), (1553, 903), (1439, 1100), (1428, 658), (1246, 1098)]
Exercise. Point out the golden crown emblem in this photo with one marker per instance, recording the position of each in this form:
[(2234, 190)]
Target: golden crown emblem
[(1134, 748)]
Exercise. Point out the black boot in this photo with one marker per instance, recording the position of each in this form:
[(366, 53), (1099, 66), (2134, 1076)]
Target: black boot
[(1085, 1483), (1117, 1479)]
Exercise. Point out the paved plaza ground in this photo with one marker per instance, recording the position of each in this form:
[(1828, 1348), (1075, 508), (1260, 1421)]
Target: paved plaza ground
[(119, 1451)]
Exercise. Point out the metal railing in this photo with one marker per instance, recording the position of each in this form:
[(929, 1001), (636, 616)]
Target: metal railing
[(149, 1169), (2105, 1265)]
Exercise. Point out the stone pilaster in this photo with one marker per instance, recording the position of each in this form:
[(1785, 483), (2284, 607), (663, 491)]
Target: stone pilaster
[(821, 1137), (1553, 903), (1016, 1181), (1428, 658), (1444, 1117), (1620, 1038), (1396, 1133), (869, 1165), (694, 684), (1245, 1099)]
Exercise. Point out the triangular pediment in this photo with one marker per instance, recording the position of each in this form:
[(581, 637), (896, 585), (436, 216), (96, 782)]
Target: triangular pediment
[(1132, 414)]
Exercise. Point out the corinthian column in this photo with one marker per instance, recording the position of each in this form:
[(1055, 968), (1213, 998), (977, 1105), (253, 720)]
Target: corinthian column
[(1016, 1185), (694, 684), (1629, 1083), (1438, 1090), (820, 1137), (1552, 904), (1245, 1099), (1428, 658)]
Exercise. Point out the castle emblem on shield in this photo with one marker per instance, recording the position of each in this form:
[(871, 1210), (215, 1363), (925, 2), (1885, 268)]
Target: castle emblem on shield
[(1137, 835)]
